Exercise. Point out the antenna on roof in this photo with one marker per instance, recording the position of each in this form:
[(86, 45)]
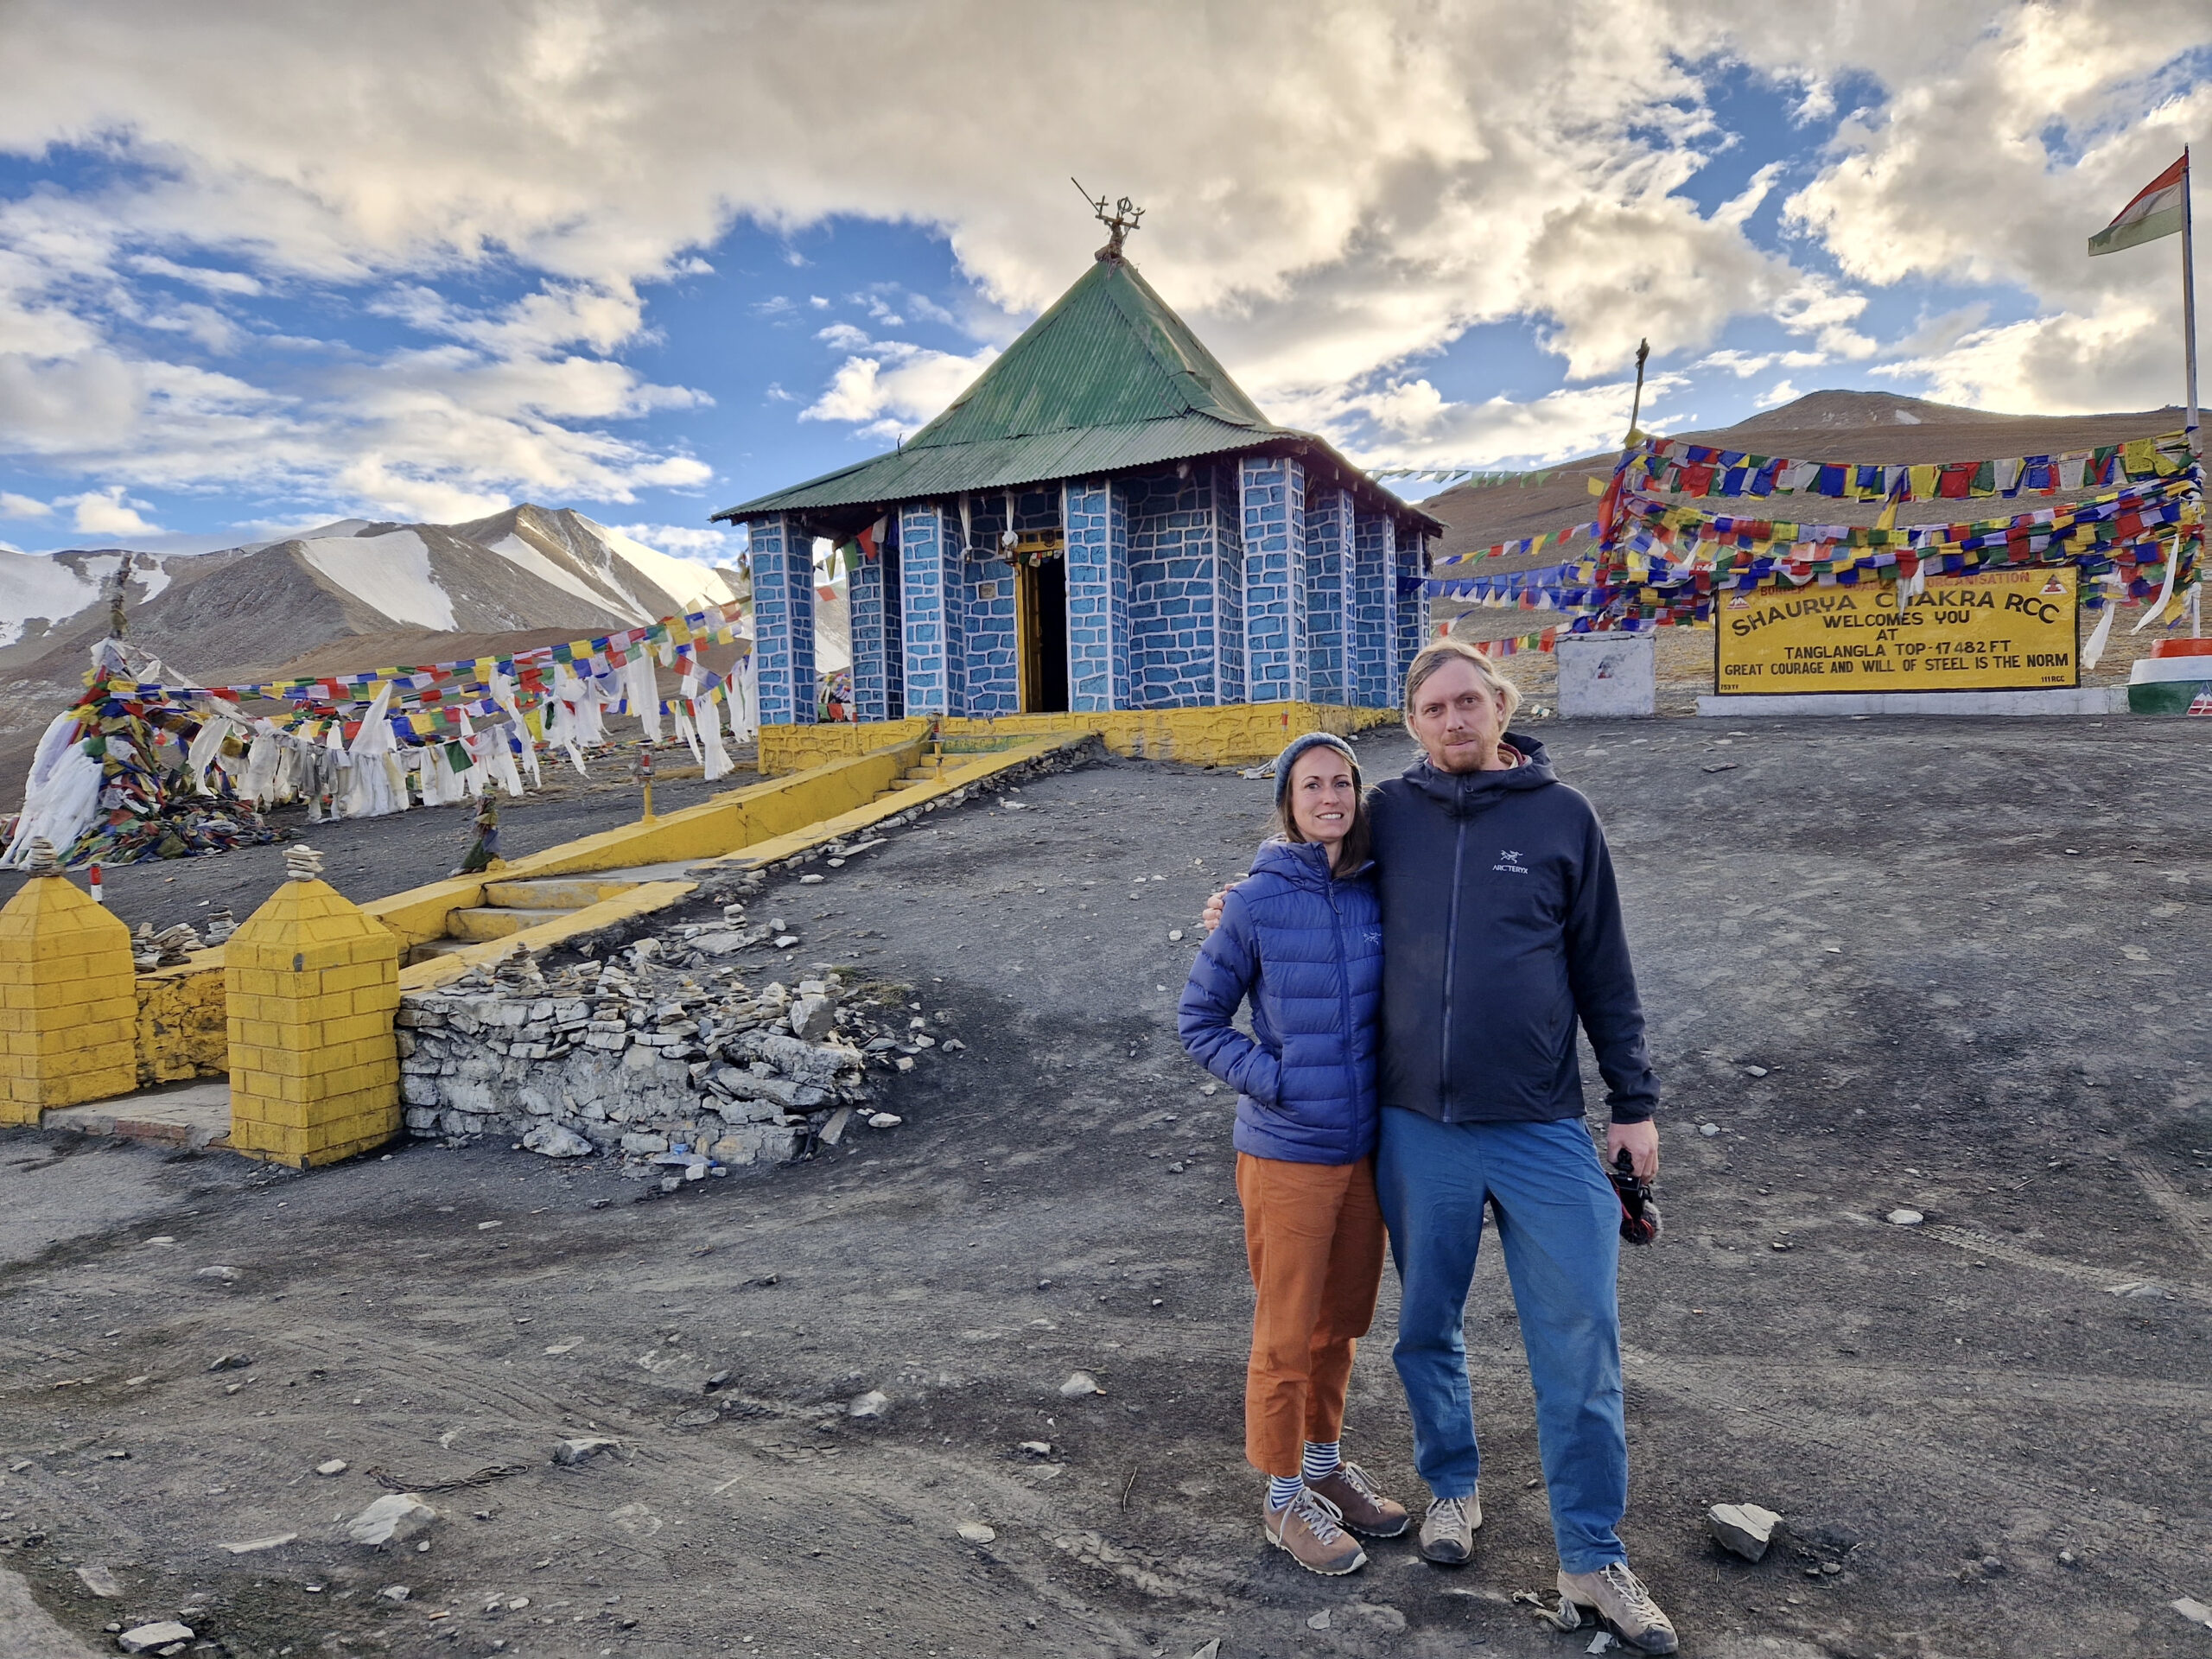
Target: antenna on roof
[(1118, 224)]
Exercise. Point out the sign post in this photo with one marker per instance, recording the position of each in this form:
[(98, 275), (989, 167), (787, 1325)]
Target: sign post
[(1997, 630)]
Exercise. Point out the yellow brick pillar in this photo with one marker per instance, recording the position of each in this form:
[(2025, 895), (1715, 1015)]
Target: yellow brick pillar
[(311, 985), (68, 997)]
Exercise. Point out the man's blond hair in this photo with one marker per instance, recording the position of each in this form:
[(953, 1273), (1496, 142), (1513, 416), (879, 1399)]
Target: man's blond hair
[(1438, 652)]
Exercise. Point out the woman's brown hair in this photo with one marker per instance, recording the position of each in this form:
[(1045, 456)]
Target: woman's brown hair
[(1359, 841)]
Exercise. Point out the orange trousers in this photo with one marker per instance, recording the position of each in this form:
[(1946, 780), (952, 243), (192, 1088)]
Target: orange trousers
[(1313, 1233)]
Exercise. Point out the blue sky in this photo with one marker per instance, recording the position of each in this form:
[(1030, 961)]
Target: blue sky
[(650, 269)]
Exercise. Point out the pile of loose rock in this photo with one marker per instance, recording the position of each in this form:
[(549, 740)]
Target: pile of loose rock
[(655, 1053)]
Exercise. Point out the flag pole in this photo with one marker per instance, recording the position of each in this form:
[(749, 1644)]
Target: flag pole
[(2189, 362), (2189, 302)]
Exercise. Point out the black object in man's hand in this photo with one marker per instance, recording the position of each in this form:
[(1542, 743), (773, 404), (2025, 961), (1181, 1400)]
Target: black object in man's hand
[(1639, 1214)]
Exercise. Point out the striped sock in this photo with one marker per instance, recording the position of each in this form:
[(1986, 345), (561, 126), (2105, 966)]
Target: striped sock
[(1282, 1488), (1322, 1459)]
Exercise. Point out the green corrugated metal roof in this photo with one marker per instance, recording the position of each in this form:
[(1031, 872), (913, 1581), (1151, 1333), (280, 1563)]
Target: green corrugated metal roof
[(1108, 379)]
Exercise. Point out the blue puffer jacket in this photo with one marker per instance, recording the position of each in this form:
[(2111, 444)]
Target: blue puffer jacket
[(1307, 950)]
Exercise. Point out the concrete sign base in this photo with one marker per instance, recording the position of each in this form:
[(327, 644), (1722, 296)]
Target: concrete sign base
[(2082, 699), (1608, 674)]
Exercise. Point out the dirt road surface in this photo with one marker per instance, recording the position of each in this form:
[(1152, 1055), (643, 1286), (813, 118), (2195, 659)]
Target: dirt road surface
[(1949, 966)]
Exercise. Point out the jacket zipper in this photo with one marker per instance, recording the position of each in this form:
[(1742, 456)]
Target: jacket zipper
[(1451, 958), (1343, 965)]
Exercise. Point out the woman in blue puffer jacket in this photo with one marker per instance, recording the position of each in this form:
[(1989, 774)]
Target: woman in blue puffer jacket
[(1302, 938)]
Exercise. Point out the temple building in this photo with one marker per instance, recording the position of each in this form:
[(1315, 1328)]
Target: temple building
[(1103, 522)]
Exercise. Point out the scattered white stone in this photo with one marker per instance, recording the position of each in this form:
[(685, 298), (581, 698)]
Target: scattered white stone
[(810, 880), (1319, 1621), (2140, 1290), (786, 941), (2193, 1610), (101, 1582), (147, 1637), (976, 1532), (1209, 1088), (228, 1275), (872, 1404), (1709, 1128), (1037, 1448), (577, 1451), (1756, 1070), (884, 1120), (1600, 1641), (394, 1592), (1905, 1217), (556, 1142), (335, 1467), (1175, 936), (397, 1515), (275, 1541), (1080, 1384), (485, 1226), (1746, 1529)]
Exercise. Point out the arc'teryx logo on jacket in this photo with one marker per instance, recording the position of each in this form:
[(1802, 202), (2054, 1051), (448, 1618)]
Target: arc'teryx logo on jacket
[(1502, 929)]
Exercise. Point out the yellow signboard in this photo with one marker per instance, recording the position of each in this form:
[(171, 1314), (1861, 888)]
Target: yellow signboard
[(1997, 630)]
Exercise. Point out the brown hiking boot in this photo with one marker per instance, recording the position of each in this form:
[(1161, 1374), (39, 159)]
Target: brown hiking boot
[(1363, 1508), (1310, 1528), (1447, 1531), (1622, 1604)]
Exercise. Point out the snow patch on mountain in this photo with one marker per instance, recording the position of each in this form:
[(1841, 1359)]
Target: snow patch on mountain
[(694, 585), (390, 573), (38, 587)]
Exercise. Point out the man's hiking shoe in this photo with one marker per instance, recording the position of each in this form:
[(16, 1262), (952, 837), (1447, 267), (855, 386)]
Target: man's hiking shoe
[(1622, 1604), (1363, 1509), (1447, 1531), (1311, 1530)]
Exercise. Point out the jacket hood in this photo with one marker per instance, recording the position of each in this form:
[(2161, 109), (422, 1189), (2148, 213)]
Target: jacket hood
[(1303, 862), (1472, 791)]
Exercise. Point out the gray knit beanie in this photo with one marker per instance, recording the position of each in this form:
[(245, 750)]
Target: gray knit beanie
[(1298, 746)]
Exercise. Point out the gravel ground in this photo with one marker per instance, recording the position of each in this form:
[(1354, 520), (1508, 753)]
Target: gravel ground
[(1966, 955)]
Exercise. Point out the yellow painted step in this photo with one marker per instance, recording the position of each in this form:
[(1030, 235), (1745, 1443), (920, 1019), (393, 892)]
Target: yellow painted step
[(551, 892), (474, 926)]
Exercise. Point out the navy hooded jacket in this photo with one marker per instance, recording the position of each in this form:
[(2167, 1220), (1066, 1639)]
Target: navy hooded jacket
[(1504, 927), (1308, 949)]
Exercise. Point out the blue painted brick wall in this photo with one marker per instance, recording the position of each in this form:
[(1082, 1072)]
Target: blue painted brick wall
[(870, 615), (1173, 588), (1413, 610), (783, 621), (1229, 584), (1328, 542), (1277, 666), (931, 606), (1371, 636), (1098, 594)]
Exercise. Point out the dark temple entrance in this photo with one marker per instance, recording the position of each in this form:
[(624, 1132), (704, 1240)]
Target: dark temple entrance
[(1040, 601)]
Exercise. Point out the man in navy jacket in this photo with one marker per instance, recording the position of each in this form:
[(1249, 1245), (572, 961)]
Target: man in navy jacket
[(1501, 932)]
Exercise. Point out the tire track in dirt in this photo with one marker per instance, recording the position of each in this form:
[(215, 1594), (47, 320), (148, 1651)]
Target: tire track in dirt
[(2175, 1544), (2104, 1279), (2188, 1215)]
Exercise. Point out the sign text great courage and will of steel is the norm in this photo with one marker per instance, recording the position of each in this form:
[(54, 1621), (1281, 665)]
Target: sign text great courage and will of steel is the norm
[(1997, 630)]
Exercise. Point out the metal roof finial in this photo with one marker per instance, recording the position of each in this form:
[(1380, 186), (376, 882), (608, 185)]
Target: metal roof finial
[(1118, 224)]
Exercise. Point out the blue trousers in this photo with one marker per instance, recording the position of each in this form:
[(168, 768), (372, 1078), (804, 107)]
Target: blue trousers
[(1558, 1223)]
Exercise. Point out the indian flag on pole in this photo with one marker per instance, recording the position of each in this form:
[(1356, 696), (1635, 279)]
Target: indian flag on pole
[(2156, 211)]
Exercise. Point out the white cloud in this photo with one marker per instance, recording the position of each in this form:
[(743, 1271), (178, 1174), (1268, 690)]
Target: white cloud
[(1779, 393), (22, 506), (701, 544), (891, 393), (1415, 425), (105, 512), (1335, 191)]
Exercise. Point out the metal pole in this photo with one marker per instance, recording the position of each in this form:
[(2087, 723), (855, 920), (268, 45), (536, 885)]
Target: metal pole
[(2189, 302), (1643, 350), (2189, 359)]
